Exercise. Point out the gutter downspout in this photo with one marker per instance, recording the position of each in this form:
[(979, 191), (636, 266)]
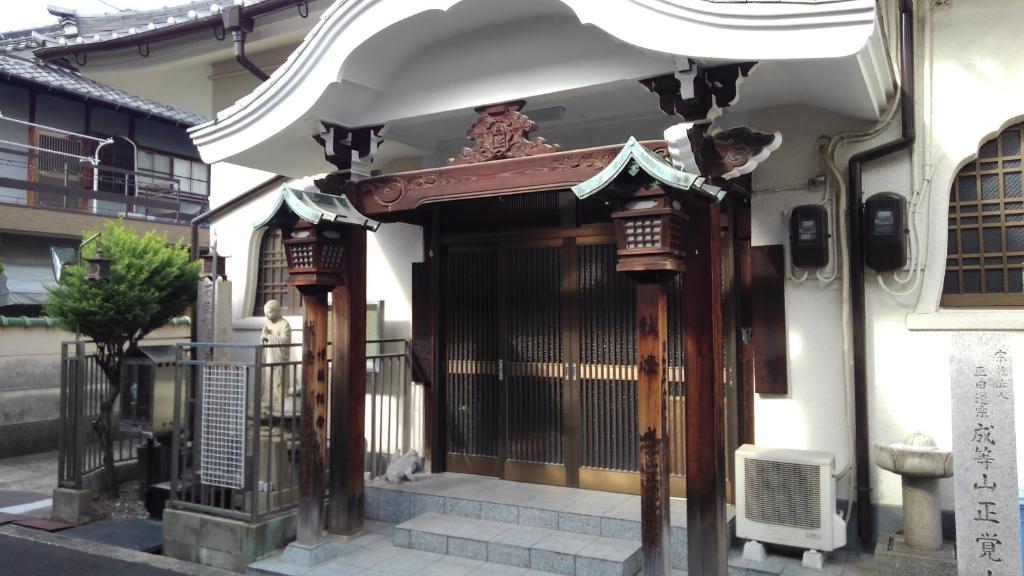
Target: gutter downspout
[(238, 24), (865, 515)]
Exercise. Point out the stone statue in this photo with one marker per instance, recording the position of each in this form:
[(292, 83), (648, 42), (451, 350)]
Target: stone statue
[(275, 378)]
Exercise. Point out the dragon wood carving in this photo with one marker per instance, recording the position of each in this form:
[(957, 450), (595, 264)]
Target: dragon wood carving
[(502, 131)]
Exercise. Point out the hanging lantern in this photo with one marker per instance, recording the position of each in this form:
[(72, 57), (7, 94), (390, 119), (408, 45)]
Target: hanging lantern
[(649, 233), (208, 265), (97, 268), (315, 254)]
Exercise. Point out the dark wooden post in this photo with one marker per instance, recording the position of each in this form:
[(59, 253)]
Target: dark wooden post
[(744, 320), (348, 391), (313, 420), (705, 429), (652, 346)]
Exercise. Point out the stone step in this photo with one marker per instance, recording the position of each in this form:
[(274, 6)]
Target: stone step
[(533, 547), (573, 510)]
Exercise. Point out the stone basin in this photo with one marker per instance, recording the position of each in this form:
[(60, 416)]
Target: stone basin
[(916, 456), (921, 464)]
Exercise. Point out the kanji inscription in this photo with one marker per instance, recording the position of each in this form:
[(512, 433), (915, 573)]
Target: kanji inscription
[(984, 456)]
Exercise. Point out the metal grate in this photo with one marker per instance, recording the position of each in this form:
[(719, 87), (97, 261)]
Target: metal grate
[(223, 425), (783, 493)]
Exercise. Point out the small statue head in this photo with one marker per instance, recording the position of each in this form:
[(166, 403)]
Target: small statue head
[(272, 310)]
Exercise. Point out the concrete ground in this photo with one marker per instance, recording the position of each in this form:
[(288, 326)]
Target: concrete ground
[(27, 483), (32, 473), (25, 552)]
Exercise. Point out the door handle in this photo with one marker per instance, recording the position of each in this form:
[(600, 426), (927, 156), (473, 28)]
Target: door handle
[(501, 369)]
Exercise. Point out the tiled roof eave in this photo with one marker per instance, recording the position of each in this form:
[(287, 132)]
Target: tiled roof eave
[(53, 78)]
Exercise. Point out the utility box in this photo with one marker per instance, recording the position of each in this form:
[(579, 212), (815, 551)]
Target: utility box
[(147, 391), (885, 232)]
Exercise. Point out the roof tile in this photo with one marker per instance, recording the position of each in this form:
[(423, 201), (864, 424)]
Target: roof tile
[(71, 81)]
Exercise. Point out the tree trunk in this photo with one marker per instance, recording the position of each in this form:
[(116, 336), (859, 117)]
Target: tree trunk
[(103, 424)]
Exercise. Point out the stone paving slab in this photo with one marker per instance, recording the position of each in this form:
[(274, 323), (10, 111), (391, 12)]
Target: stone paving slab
[(372, 553), (519, 545)]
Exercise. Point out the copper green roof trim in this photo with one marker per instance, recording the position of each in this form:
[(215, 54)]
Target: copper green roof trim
[(47, 322), (308, 203), (660, 170)]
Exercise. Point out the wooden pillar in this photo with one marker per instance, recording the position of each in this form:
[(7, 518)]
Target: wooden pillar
[(705, 414), (652, 347), (348, 392), (313, 420), (744, 320)]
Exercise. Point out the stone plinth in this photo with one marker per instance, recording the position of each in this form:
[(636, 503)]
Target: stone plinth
[(221, 542), (895, 557), (74, 506)]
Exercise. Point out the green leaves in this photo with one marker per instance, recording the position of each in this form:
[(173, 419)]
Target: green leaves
[(151, 282)]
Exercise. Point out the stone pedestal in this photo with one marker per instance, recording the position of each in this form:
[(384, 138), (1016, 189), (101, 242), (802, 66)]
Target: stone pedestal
[(74, 506), (894, 556), (921, 464), (221, 542), (922, 513)]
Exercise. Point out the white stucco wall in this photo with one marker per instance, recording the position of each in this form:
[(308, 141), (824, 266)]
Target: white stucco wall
[(970, 85), (390, 253)]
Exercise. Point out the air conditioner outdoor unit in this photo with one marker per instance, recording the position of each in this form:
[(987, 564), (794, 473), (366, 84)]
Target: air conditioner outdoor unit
[(787, 497)]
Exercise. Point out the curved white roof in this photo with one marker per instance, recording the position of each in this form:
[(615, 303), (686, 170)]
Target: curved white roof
[(321, 81)]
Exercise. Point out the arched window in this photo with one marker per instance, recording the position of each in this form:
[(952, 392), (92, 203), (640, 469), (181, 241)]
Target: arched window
[(272, 276), (985, 257)]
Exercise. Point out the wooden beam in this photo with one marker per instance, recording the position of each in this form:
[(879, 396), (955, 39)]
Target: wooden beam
[(348, 391), (387, 198), (313, 420), (705, 411), (652, 388)]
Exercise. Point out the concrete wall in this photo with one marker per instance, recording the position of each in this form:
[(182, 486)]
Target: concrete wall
[(30, 385)]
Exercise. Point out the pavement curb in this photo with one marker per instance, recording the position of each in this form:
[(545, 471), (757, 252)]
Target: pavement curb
[(107, 551)]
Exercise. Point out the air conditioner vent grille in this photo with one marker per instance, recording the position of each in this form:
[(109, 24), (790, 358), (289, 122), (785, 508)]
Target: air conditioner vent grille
[(783, 493)]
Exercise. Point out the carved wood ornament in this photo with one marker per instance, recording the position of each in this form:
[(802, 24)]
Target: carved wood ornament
[(502, 131)]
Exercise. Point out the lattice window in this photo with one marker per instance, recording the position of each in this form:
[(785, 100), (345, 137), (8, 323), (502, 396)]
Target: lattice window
[(985, 254), (272, 276)]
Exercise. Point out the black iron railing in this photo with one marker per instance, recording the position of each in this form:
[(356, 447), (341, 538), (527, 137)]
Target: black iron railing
[(235, 443), (82, 388)]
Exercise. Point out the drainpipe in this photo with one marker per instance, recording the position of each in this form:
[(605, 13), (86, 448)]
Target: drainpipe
[(865, 515), (239, 24)]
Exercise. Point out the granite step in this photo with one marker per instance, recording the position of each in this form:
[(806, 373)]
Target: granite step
[(571, 510), (533, 547)]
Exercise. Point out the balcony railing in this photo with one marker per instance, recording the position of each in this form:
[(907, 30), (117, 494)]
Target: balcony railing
[(62, 180)]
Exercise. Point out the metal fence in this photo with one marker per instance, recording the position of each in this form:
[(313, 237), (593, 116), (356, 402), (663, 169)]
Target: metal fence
[(235, 445), (82, 387)]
